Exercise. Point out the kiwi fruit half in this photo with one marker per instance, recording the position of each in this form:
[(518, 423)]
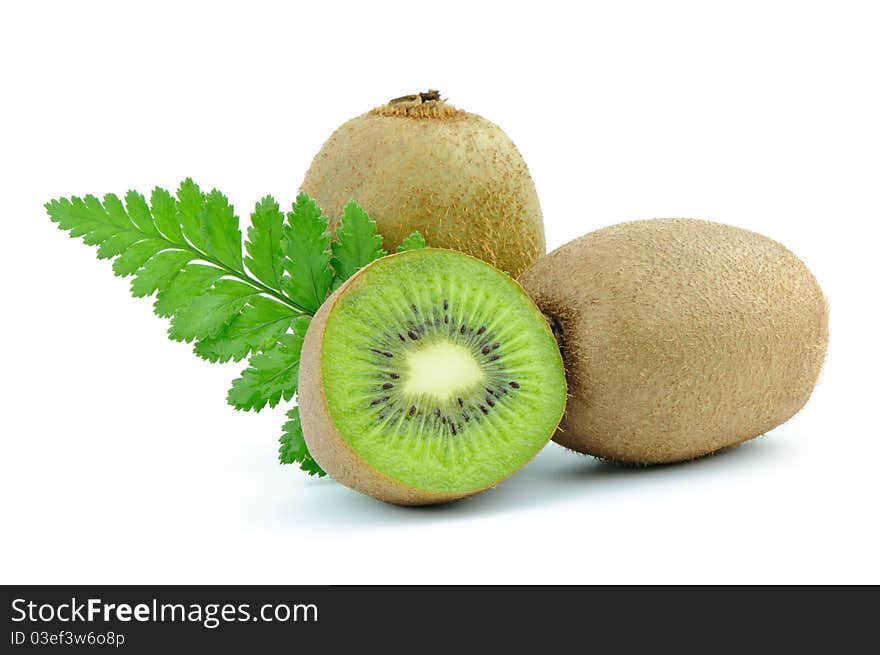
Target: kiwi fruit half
[(419, 164), (680, 337), (428, 376)]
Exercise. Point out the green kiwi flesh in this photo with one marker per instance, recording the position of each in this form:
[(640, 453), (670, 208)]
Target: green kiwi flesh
[(429, 376)]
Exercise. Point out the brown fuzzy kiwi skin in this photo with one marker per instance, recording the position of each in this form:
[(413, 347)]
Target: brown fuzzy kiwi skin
[(680, 337), (328, 447), (420, 164)]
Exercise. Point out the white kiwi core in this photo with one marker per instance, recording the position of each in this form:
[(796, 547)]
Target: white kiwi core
[(441, 370)]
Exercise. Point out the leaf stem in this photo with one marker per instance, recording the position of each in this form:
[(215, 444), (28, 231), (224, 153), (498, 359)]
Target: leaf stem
[(241, 275)]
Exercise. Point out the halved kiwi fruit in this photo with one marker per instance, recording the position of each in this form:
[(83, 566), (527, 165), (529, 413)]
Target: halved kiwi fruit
[(428, 376)]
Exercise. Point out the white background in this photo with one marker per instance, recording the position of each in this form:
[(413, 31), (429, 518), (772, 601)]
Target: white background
[(122, 463)]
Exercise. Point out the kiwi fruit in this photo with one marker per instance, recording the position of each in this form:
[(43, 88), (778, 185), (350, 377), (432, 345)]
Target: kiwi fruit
[(428, 376), (680, 337), (419, 164)]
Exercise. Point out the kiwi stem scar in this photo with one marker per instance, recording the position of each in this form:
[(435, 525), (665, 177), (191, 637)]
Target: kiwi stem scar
[(557, 330)]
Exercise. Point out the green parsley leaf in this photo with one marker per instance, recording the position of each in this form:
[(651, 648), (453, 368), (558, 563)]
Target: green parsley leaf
[(272, 374), (413, 242), (307, 252), (293, 446), (259, 325), (177, 247), (206, 315), (116, 212), (264, 245), (219, 229), (357, 243), (189, 283), (189, 209), (136, 255), (139, 213), (158, 272), (164, 210), (187, 250)]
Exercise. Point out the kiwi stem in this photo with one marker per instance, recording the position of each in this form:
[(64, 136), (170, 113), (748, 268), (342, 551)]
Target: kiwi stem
[(425, 96)]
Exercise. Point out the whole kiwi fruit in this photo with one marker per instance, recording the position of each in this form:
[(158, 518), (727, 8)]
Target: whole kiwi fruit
[(419, 164), (428, 376), (680, 337)]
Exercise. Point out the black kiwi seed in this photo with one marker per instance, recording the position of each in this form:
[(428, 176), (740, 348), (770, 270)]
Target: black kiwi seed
[(483, 409), (376, 401), (491, 359), (394, 376), (481, 330), (412, 410), (513, 385), (495, 345), (490, 391), (445, 305), (402, 338), (486, 350), (387, 385), (490, 402), (466, 416), (443, 420), (415, 309), (437, 413), (446, 319), (460, 402), (463, 328), (452, 427), (413, 335)]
